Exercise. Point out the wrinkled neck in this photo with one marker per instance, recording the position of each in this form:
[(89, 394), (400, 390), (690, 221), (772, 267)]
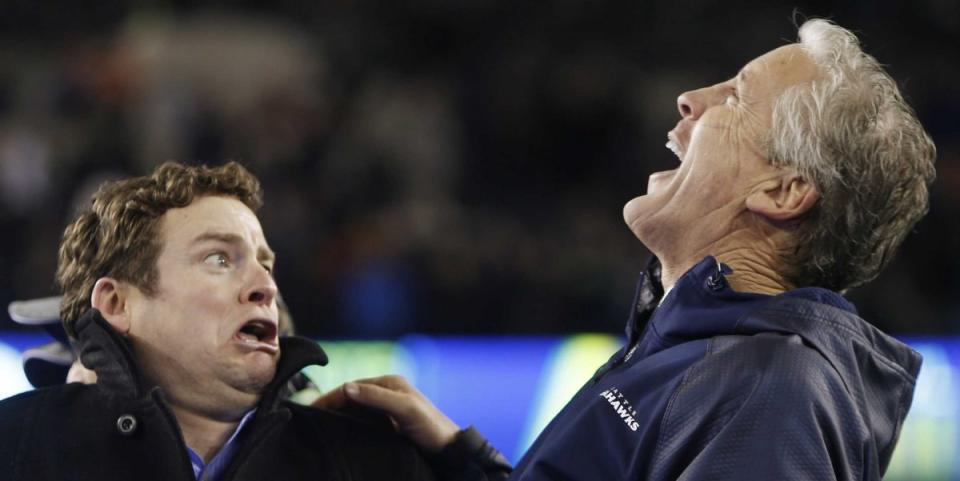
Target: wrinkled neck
[(752, 258)]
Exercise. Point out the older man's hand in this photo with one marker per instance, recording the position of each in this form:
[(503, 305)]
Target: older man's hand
[(412, 413)]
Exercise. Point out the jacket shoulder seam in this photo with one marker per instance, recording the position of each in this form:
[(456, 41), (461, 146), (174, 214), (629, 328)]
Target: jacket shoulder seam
[(813, 315)]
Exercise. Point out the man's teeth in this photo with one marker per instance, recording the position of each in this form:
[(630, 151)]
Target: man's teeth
[(246, 336), (674, 148)]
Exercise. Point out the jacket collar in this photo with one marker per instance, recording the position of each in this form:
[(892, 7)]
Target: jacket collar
[(106, 352), (109, 354), (702, 304), (296, 353), (649, 291)]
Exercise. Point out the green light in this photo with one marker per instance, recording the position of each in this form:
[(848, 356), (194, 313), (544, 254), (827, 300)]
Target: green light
[(352, 360), (571, 365)]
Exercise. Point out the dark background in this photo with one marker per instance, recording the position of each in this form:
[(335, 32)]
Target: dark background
[(430, 165)]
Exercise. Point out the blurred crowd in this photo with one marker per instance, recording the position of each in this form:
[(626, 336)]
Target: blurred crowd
[(430, 166)]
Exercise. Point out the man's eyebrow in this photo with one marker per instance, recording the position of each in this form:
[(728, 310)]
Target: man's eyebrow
[(266, 255), (263, 253)]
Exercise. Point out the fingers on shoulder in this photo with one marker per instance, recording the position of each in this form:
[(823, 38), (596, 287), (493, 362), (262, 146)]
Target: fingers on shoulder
[(394, 382), (332, 399), (374, 395)]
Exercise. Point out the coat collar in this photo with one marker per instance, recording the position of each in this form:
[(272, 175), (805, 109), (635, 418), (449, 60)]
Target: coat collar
[(649, 291), (106, 352), (109, 354), (702, 304)]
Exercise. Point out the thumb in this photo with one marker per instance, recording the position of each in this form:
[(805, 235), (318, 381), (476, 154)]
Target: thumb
[(333, 399), (372, 395)]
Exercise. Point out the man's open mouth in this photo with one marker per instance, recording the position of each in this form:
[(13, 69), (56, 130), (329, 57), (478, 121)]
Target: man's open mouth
[(258, 330), (674, 145)]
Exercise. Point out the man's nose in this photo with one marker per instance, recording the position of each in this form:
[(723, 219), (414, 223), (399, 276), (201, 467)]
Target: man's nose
[(694, 103), (262, 288)]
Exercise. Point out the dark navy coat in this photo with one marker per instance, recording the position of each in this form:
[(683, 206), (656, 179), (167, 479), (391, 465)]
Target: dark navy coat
[(719, 385)]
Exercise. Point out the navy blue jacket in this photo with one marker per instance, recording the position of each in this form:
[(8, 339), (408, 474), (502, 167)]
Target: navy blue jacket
[(719, 385)]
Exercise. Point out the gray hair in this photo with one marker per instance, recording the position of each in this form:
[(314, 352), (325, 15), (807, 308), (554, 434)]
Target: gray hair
[(852, 135)]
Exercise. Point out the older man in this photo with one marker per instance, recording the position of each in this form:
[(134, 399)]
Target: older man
[(170, 298), (798, 179)]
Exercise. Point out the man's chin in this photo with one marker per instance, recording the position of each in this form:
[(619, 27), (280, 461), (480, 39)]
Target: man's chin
[(641, 208), (645, 217), (257, 374), (635, 212)]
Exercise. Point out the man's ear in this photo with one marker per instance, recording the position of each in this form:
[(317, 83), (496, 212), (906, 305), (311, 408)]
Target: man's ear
[(783, 199), (109, 296)]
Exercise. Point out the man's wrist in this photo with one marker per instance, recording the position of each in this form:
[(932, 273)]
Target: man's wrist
[(471, 456)]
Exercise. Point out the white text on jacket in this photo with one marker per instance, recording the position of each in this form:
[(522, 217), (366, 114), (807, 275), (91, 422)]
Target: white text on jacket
[(621, 406)]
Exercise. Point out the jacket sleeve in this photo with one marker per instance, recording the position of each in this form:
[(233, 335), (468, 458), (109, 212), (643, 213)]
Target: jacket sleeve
[(762, 409), (470, 458)]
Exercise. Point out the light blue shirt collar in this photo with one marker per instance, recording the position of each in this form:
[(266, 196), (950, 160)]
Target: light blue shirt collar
[(210, 471)]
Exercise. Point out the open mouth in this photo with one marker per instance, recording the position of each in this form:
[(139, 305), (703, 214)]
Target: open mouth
[(258, 330), (675, 147)]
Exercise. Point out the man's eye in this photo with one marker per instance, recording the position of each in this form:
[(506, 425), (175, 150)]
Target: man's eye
[(732, 99), (218, 259)]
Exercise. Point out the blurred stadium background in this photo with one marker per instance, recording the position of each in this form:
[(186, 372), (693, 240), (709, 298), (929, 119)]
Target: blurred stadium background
[(436, 167)]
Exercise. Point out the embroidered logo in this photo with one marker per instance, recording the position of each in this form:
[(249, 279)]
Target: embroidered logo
[(622, 407)]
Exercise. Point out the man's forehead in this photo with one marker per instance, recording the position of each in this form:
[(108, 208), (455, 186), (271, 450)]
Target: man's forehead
[(222, 219), (788, 64), (790, 55)]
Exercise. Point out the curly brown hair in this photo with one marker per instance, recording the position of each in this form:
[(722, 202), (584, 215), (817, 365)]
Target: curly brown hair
[(118, 237)]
